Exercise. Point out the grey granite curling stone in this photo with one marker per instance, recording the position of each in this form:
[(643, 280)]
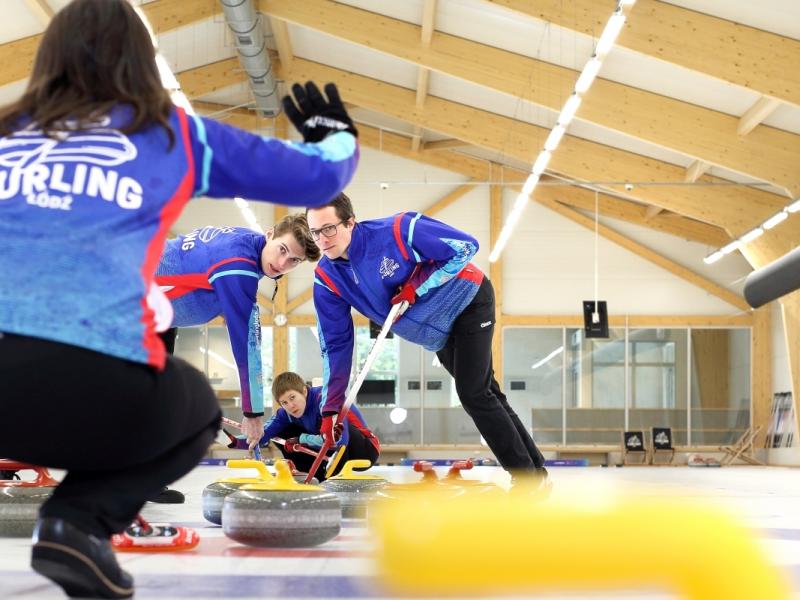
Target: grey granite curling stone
[(215, 493), (281, 513), (20, 500), (355, 490)]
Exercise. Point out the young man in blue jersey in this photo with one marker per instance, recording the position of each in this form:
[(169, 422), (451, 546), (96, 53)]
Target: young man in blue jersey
[(215, 271), (96, 164), (298, 421), (371, 265)]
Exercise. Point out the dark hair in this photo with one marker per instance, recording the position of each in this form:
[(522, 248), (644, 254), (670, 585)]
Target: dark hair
[(343, 206), (94, 55), (286, 382), (297, 225)]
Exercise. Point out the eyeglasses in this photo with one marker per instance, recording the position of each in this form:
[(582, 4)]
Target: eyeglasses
[(328, 231)]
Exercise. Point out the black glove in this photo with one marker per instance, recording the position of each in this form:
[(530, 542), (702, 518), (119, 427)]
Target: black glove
[(313, 115)]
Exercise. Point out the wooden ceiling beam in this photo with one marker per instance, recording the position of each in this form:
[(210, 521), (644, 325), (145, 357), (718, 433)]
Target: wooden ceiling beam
[(43, 11), (695, 171), (17, 57), (752, 58), (767, 154), (755, 115), (478, 170), (736, 209)]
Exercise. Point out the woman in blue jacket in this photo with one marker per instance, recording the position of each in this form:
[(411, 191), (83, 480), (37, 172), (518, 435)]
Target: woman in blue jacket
[(96, 163)]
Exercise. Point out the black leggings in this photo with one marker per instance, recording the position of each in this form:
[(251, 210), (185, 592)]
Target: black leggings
[(359, 446), (467, 356), (121, 429)]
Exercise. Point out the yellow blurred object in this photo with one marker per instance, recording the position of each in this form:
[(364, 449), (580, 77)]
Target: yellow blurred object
[(284, 481), (427, 540), (263, 473), (348, 473)]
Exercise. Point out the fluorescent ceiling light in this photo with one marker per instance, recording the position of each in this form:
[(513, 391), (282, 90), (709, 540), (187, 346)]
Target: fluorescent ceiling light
[(751, 235), (588, 74), (713, 257), (794, 206), (610, 33), (530, 184), (734, 245), (555, 352), (541, 162), (554, 139), (775, 219), (569, 110)]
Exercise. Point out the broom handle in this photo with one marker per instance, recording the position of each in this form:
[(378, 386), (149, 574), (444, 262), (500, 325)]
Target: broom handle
[(397, 309)]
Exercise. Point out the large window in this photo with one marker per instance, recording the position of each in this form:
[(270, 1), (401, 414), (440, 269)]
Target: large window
[(720, 385), (658, 381)]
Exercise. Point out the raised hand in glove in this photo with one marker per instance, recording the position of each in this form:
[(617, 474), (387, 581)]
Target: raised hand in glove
[(314, 116)]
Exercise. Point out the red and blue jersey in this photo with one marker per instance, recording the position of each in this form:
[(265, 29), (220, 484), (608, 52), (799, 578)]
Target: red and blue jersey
[(215, 271), (310, 422), (382, 256), (84, 217)]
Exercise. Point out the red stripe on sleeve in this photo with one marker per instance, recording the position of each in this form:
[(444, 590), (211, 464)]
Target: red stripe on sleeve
[(156, 353), (398, 237), (327, 281)]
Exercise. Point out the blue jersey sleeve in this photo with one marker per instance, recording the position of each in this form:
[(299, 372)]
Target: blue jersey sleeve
[(275, 425), (444, 250), (232, 162), (236, 286), (336, 339)]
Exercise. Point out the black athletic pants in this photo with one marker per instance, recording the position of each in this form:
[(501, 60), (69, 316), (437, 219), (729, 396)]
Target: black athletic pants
[(467, 356), (359, 447), (121, 429)]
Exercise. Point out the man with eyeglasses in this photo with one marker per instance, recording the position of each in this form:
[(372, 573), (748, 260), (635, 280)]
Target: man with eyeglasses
[(371, 265)]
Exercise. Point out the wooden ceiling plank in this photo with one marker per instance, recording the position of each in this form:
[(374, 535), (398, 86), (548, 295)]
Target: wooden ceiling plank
[(478, 170), (767, 154), (752, 58), (17, 57)]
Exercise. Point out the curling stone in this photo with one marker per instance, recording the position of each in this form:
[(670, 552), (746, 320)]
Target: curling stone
[(429, 483), (299, 476), (354, 490), (20, 499), (215, 493), (281, 513)]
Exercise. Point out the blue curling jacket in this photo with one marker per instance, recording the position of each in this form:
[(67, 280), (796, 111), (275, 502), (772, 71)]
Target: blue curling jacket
[(381, 257), (215, 271), (84, 217), (310, 423)]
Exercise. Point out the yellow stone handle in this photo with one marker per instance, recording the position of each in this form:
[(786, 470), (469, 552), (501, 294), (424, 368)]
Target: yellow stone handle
[(263, 472)]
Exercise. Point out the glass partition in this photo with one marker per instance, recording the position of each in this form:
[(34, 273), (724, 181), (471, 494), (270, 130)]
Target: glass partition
[(720, 385), (595, 391), (533, 368), (658, 376)]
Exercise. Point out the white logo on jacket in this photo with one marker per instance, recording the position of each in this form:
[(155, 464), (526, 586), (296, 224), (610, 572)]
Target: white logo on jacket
[(388, 267), (35, 166)]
